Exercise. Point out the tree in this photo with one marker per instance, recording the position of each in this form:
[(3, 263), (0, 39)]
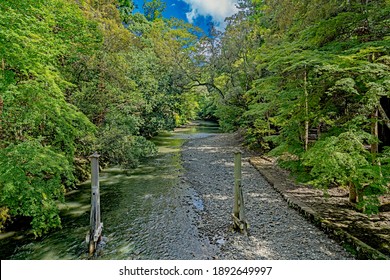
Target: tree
[(153, 9), (126, 8), (76, 77), (42, 133), (344, 161), (307, 75)]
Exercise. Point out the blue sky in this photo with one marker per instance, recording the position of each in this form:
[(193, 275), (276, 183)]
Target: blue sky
[(198, 12)]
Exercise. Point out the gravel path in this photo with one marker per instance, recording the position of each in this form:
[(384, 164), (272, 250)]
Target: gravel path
[(276, 232)]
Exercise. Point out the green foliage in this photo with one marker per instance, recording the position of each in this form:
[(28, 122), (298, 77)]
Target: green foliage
[(41, 133), (125, 8), (74, 79), (207, 107), (153, 9), (118, 147), (32, 179), (4, 217), (228, 117), (338, 160), (343, 161), (304, 80)]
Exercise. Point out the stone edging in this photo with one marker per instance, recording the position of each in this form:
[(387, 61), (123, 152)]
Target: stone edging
[(363, 251)]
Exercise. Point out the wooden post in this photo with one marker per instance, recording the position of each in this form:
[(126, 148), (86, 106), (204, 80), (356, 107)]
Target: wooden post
[(243, 224), (238, 214), (237, 183), (96, 225)]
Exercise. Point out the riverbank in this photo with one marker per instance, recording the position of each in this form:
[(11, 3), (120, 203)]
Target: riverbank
[(277, 231)]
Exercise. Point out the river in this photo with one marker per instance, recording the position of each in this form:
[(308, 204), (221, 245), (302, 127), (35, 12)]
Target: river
[(148, 212)]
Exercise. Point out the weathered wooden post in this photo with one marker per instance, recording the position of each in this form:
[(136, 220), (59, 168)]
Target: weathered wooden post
[(238, 215), (237, 183), (96, 225)]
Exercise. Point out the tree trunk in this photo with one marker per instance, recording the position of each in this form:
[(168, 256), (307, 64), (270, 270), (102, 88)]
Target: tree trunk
[(1, 99), (306, 111), (352, 193), (374, 132)]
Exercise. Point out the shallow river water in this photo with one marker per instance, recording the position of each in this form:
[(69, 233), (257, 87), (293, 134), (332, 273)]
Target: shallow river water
[(147, 212)]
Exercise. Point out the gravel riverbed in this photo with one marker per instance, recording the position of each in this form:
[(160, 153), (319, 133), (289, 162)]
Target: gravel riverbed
[(178, 205), (277, 232)]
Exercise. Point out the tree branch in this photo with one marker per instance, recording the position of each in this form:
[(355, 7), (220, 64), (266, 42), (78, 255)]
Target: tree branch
[(208, 85)]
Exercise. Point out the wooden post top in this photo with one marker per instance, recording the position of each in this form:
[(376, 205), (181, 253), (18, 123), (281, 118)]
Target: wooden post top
[(94, 155)]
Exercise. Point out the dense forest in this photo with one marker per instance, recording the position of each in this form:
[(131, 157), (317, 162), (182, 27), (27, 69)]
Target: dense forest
[(306, 81), (309, 82)]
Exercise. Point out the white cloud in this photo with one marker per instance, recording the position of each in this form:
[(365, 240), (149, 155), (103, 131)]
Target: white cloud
[(217, 9)]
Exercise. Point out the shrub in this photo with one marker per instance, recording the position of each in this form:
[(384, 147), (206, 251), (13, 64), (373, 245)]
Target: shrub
[(343, 160), (32, 180)]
